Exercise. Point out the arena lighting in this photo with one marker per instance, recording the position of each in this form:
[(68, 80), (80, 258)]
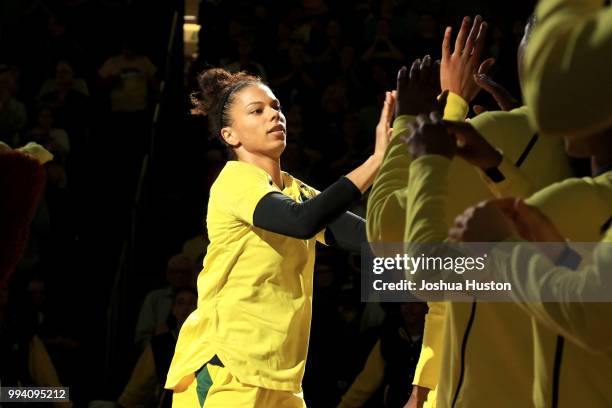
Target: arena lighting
[(190, 34)]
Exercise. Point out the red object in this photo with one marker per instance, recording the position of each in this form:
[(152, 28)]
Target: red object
[(22, 182)]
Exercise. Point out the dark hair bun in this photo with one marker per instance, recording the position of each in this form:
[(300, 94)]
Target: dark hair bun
[(214, 85), (216, 95)]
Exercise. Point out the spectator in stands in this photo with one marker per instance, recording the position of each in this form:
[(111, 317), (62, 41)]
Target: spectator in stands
[(68, 96), (426, 40), (349, 70), (262, 32), (352, 144), (245, 60), (299, 158), (149, 374), (382, 48), (157, 303), (130, 79), (25, 361), (55, 140), (45, 132), (195, 249), (60, 42), (333, 44), (296, 82), (283, 39), (15, 88), (57, 197), (335, 98), (63, 82), (13, 117), (50, 324)]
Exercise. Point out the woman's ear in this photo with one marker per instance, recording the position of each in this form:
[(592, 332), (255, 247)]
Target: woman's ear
[(229, 136)]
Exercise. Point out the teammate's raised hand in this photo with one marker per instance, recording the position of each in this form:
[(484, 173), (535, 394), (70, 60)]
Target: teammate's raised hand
[(418, 87), (459, 65)]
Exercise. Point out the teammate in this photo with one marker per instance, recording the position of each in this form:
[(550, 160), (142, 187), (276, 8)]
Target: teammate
[(565, 82), (389, 202), (562, 301), (584, 374)]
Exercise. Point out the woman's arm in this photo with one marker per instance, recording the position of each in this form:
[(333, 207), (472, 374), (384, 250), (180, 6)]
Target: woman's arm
[(346, 232), (278, 213), (281, 214)]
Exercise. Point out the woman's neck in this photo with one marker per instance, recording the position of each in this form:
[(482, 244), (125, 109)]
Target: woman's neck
[(269, 165)]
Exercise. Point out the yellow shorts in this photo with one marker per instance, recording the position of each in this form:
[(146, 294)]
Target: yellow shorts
[(215, 387)]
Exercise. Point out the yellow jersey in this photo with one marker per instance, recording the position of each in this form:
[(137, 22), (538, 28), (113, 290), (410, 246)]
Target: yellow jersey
[(255, 291)]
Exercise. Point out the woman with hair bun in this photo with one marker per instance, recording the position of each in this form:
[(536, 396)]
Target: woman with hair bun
[(246, 343)]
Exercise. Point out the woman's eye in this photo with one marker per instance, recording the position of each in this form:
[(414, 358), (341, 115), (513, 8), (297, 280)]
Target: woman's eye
[(258, 111)]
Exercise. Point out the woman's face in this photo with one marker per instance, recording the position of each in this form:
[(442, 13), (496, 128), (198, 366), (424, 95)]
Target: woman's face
[(257, 124)]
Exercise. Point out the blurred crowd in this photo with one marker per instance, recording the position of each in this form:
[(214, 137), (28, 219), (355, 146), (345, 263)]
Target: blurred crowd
[(90, 102)]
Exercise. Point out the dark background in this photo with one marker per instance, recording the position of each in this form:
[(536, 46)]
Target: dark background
[(130, 204)]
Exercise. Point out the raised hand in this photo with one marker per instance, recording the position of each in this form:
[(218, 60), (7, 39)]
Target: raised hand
[(458, 66), (503, 98), (429, 136), (500, 219), (383, 129), (533, 225), (488, 221), (472, 146), (418, 87)]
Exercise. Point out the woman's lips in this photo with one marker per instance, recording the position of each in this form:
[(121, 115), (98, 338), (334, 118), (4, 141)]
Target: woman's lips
[(279, 126), (278, 133)]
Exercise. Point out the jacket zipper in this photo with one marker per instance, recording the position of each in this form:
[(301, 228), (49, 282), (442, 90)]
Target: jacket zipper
[(463, 350), (557, 371)]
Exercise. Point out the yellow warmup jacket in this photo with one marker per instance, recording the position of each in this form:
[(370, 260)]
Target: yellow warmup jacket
[(487, 346), (566, 81), (512, 133), (577, 372)]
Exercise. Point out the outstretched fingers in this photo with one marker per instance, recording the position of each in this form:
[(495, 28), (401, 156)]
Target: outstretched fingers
[(446, 52), (462, 36), (472, 37), (479, 43)]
